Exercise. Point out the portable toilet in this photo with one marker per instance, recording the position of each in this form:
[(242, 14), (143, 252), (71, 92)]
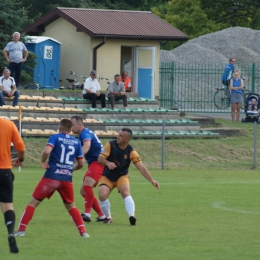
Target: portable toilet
[(47, 70)]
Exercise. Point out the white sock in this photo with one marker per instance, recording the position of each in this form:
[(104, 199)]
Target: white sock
[(129, 206), (105, 206)]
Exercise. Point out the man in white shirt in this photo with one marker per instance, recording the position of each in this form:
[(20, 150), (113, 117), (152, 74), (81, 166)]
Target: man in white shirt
[(8, 88), (91, 90)]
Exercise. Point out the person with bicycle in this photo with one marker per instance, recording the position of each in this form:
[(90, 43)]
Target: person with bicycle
[(236, 91), (91, 90), (228, 71)]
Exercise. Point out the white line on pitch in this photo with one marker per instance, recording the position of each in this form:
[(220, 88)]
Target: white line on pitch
[(218, 205)]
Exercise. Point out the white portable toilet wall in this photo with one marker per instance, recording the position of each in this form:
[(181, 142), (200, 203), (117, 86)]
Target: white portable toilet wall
[(47, 70)]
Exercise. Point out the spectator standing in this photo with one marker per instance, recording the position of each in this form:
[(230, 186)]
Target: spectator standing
[(91, 147), (127, 81), (116, 158), (9, 133), (17, 56), (228, 71), (236, 88), (62, 150), (116, 91), (8, 88), (91, 90)]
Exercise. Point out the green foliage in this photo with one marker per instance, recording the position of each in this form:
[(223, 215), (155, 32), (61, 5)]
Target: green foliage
[(38, 8), (255, 23), (13, 18), (231, 12), (187, 16)]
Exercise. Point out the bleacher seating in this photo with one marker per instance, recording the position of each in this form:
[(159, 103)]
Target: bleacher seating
[(42, 114)]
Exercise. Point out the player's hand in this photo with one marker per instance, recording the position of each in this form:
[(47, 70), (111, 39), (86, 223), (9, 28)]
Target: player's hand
[(155, 184), (45, 165), (16, 162), (111, 165)]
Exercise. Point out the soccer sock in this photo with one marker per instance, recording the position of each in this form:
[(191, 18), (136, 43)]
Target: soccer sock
[(9, 221), (129, 206), (89, 197), (105, 206), (26, 217), (76, 217), (97, 207)]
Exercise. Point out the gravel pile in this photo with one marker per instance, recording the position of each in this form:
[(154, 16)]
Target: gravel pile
[(199, 64), (239, 42)]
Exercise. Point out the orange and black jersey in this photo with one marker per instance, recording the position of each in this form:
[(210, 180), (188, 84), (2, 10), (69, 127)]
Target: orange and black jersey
[(121, 158)]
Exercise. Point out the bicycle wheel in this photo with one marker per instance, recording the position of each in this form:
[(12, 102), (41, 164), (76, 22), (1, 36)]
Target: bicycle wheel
[(222, 98)]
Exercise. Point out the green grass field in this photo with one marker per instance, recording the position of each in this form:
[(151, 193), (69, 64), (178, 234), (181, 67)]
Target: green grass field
[(198, 214)]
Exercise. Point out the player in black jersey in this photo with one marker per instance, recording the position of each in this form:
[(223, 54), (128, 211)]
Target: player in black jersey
[(116, 157)]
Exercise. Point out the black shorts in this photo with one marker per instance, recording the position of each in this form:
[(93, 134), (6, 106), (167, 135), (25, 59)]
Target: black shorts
[(6, 185), (226, 82)]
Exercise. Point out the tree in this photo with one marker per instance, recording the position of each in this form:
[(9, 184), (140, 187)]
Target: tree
[(255, 23), (13, 18), (231, 12), (187, 16)]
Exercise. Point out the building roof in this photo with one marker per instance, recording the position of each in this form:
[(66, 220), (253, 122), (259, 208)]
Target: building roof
[(112, 24)]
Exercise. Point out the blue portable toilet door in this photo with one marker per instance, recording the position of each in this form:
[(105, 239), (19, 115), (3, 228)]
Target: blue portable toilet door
[(48, 64), (145, 71)]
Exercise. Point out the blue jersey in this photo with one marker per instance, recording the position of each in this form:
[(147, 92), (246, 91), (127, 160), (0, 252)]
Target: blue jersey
[(66, 149), (95, 145), (228, 71)]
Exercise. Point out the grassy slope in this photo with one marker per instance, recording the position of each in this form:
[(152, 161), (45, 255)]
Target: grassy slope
[(224, 153)]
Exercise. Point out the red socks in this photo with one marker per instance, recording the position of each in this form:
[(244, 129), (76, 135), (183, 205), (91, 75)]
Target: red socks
[(91, 201), (26, 217), (75, 214), (89, 198), (97, 207)]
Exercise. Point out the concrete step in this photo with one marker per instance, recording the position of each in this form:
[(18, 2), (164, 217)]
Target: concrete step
[(33, 111), (74, 102), (136, 134)]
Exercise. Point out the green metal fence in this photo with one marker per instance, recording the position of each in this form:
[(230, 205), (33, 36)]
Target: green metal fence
[(192, 86)]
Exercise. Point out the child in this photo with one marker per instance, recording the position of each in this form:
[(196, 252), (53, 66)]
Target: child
[(252, 105)]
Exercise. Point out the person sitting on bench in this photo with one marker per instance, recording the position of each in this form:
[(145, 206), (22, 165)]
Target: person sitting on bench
[(116, 91)]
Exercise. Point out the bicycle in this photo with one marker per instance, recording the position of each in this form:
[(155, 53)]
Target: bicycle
[(74, 83), (222, 97), (99, 77)]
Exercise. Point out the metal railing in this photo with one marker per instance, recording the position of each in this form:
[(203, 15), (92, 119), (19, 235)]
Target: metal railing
[(191, 86)]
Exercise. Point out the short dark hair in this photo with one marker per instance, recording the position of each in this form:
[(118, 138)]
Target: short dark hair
[(117, 75), (78, 119), (65, 125), (129, 132)]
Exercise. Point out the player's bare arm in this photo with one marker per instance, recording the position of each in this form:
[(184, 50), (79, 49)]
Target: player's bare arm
[(86, 147), (144, 171), (18, 161), (79, 164), (107, 163), (45, 155)]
